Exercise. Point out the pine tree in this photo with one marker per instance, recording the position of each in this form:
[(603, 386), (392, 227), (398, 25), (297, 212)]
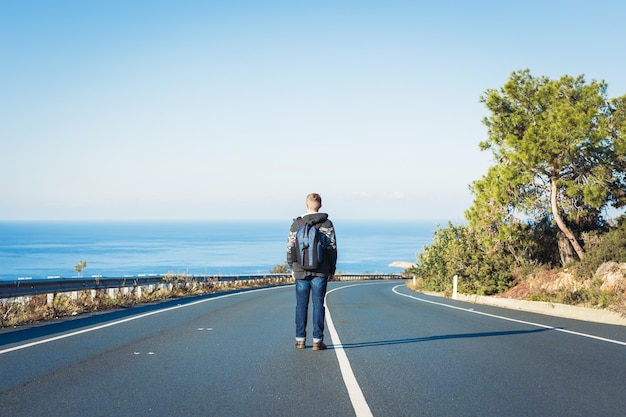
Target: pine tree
[(559, 154)]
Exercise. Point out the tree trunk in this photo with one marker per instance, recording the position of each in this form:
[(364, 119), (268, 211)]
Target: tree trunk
[(561, 223), (565, 248)]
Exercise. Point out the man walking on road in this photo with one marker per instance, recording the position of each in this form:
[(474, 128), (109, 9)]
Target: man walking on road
[(311, 281)]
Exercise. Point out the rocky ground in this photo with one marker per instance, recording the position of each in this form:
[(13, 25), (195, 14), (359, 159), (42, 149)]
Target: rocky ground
[(605, 290)]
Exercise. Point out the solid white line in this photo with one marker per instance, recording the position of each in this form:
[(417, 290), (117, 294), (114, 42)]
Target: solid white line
[(361, 408), (115, 323), (590, 336)]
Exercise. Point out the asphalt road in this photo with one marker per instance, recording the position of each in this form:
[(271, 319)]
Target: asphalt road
[(392, 353)]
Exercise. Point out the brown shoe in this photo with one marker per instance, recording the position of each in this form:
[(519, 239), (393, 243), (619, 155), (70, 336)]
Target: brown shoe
[(300, 344), (319, 346)]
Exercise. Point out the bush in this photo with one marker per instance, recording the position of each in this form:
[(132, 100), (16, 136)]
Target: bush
[(457, 250), (280, 269), (608, 247)]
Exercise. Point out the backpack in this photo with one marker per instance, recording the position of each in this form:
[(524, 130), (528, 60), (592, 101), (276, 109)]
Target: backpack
[(310, 245)]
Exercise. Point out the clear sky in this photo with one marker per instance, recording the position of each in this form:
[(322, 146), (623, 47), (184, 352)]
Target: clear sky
[(237, 109)]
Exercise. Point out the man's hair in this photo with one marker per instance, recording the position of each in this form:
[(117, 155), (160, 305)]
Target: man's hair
[(314, 201)]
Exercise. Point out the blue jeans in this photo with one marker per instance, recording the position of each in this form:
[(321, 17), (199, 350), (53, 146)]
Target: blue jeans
[(316, 288)]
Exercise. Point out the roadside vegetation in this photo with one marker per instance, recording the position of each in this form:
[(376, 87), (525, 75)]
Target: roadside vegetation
[(538, 228), (39, 308)]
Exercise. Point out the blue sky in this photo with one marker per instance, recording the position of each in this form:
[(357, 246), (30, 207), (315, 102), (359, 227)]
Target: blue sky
[(237, 109)]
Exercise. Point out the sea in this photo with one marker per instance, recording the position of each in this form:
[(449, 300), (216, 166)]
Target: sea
[(42, 250)]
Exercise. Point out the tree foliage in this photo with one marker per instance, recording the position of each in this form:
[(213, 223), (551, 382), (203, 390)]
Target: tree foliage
[(80, 266), (559, 163), (457, 250), (559, 156)]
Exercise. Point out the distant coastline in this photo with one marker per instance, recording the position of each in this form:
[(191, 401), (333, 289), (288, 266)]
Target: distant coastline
[(37, 249)]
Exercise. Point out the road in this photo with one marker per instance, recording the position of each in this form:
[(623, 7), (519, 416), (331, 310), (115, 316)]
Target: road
[(392, 352)]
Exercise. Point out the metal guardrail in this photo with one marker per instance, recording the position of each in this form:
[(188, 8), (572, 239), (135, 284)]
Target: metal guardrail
[(20, 288)]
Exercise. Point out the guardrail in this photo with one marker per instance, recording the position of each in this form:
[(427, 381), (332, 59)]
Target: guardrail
[(21, 288)]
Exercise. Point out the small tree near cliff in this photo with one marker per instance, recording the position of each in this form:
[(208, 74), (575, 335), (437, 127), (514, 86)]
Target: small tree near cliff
[(559, 154), (80, 266)]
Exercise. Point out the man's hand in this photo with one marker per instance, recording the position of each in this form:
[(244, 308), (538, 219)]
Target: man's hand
[(331, 277)]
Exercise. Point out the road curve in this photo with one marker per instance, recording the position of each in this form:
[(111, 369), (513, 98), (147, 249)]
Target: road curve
[(392, 353)]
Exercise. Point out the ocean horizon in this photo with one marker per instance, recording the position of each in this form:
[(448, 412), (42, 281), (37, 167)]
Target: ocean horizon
[(51, 249)]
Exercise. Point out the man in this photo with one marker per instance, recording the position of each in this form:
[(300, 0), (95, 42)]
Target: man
[(312, 283)]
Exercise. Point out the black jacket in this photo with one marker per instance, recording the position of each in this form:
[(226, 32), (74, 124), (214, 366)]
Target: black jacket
[(329, 262)]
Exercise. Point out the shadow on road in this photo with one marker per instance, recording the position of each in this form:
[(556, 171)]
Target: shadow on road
[(442, 337)]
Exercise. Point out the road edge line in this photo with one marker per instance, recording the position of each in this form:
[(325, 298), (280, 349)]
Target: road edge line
[(530, 323), (116, 322)]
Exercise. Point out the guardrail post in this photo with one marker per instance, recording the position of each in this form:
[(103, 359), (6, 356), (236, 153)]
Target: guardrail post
[(455, 281)]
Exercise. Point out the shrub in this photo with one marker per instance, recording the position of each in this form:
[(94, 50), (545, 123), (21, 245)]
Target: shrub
[(610, 246), (458, 250), (280, 269)]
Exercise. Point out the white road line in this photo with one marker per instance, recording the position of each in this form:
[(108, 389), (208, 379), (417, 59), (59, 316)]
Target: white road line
[(361, 408), (115, 323), (590, 336)]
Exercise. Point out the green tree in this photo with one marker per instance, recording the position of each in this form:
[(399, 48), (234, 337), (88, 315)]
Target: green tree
[(80, 266), (559, 155)]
